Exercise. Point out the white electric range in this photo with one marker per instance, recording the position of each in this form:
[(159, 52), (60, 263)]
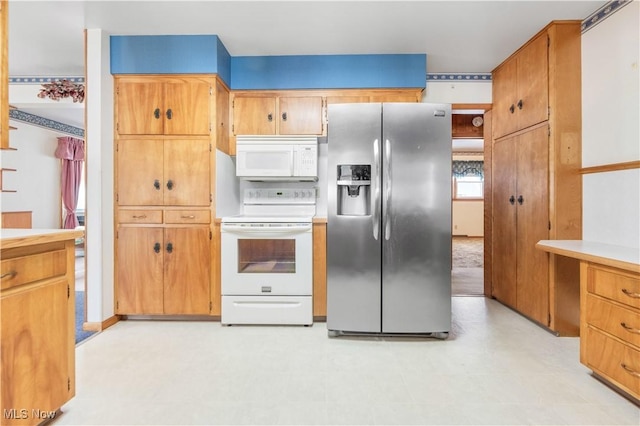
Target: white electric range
[(267, 258)]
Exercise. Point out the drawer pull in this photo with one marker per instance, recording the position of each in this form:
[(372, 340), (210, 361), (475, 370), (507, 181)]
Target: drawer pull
[(630, 329), (191, 216), (631, 294), (629, 370), (9, 275), (143, 216)]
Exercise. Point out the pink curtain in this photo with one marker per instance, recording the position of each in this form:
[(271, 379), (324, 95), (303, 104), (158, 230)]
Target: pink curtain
[(71, 152)]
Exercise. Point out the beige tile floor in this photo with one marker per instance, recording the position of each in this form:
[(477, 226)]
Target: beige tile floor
[(496, 368)]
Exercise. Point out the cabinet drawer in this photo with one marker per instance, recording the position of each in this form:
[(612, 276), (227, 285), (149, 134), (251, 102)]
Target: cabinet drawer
[(35, 267), (614, 284), (187, 216), (140, 216), (622, 323), (614, 360)]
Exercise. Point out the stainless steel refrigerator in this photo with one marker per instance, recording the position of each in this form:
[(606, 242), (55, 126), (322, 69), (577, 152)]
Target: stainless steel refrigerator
[(389, 219)]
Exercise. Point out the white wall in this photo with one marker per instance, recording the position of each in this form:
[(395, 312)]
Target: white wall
[(453, 92), (610, 128), (99, 152), (37, 175)]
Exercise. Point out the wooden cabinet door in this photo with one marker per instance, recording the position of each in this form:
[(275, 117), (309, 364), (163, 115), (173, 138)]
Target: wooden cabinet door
[(187, 172), (394, 98), (300, 115), (504, 99), (140, 176), (533, 224), (533, 83), (222, 118), (254, 115), (347, 99), (504, 221), (140, 109), (35, 348), (187, 270), (187, 108), (139, 270)]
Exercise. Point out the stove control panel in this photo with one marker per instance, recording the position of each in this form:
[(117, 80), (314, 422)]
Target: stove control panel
[(279, 196)]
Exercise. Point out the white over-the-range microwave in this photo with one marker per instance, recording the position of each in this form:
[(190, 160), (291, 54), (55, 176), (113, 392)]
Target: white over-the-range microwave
[(284, 158)]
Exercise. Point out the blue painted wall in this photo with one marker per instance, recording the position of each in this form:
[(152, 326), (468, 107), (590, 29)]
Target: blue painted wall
[(328, 71), (170, 54), (206, 54)]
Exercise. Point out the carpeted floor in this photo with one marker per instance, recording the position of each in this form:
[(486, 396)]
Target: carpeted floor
[(80, 333), (467, 274)]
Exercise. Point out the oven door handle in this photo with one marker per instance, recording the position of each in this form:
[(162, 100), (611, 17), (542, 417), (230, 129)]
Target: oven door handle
[(266, 231)]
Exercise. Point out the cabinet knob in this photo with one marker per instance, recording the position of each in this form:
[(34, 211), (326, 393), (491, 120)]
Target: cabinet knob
[(169, 114), (520, 104), (156, 113), (156, 247), (156, 184), (512, 108), (169, 248), (270, 117), (284, 116), (512, 200), (169, 184), (520, 199)]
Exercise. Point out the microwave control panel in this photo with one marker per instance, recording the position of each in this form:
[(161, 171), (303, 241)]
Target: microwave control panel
[(306, 160)]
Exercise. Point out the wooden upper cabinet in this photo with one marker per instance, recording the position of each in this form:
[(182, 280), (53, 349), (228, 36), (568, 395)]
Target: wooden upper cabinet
[(533, 83), (222, 127), (300, 115), (187, 108), (521, 88), (277, 115), (254, 115), (153, 106), (156, 172)]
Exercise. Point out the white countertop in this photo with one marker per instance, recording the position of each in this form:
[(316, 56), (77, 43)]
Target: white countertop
[(20, 237), (605, 254)]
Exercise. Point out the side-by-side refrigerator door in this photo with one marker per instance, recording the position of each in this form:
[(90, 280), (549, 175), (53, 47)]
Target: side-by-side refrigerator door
[(416, 227), (353, 218)]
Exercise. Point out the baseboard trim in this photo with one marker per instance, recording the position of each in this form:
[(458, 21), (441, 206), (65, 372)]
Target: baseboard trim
[(100, 326)]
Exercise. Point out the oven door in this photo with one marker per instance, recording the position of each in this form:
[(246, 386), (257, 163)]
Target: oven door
[(267, 259)]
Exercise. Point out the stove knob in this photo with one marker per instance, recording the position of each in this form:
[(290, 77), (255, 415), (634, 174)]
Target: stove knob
[(302, 194)]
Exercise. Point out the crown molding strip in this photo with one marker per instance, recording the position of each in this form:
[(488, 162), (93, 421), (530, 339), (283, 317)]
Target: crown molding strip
[(42, 80), (603, 13), (477, 77), (46, 123)]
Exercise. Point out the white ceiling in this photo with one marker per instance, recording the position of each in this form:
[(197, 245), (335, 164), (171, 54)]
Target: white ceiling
[(46, 37)]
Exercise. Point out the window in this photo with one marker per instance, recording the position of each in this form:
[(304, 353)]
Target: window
[(468, 180), (468, 187)]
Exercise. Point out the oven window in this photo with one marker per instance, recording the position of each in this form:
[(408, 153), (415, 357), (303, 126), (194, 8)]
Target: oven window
[(266, 256)]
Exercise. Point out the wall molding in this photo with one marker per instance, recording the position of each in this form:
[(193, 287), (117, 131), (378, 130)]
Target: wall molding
[(450, 77), (602, 13), (611, 167), (35, 120), (42, 80)]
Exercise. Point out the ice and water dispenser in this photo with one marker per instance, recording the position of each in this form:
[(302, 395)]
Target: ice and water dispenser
[(354, 190)]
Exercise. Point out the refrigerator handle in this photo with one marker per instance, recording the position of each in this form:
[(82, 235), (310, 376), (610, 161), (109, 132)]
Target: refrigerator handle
[(375, 200), (386, 186)]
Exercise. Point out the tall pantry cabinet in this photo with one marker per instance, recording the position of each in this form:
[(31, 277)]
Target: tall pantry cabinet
[(536, 186), (166, 134)]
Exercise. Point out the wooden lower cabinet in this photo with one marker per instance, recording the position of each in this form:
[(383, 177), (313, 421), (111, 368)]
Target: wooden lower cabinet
[(521, 219), (163, 270), (610, 325), (37, 362), (320, 270)]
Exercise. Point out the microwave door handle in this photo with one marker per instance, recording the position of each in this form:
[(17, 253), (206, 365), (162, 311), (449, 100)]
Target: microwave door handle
[(293, 169), (376, 190)]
